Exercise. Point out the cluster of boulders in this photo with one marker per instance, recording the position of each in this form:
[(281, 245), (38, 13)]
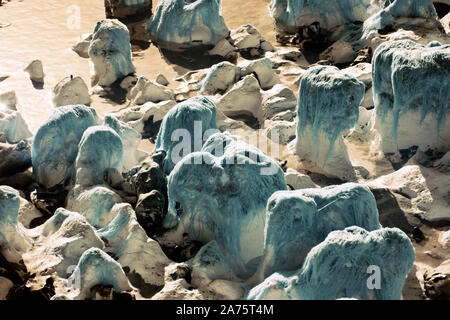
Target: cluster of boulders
[(208, 215), (345, 30)]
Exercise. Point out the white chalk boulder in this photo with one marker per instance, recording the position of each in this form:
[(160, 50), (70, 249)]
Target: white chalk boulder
[(327, 107), (244, 98), (110, 52), (147, 90)]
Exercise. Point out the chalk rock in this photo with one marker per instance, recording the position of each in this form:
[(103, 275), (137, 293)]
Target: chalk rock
[(444, 239), (339, 52), (351, 263), (225, 123), (223, 48), (150, 175), (445, 21), (63, 239), (36, 71), (176, 286), (82, 47), (192, 122), (115, 232), (210, 264), (344, 204), (134, 14), (411, 93), (146, 90), (13, 125), (110, 52), (424, 190), (277, 100), (128, 82), (327, 107), (100, 157), (5, 286), (263, 69), (244, 98), (96, 267), (285, 116), (227, 290), (392, 10), (220, 78), (12, 234), (14, 158), (95, 203), (365, 121), (297, 180), (130, 140), (178, 289), (267, 46), (150, 210), (212, 197), (362, 72), (437, 282), (299, 220), (444, 163), (198, 23), (290, 15), (281, 132), (55, 145), (289, 54), (9, 100), (70, 91), (143, 256)]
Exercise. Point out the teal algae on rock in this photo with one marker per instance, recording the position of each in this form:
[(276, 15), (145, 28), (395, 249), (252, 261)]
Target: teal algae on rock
[(299, 220), (110, 52), (411, 86), (182, 24), (185, 128), (100, 157), (350, 263)]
